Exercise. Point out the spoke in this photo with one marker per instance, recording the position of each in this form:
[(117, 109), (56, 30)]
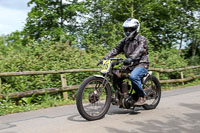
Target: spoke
[(97, 86), (153, 97), (95, 95), (100, 105)]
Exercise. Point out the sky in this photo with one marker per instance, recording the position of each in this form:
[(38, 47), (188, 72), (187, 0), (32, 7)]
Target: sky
[(13, 14)]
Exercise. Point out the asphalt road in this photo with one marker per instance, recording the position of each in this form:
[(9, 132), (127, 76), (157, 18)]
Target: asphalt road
[(178, 112)]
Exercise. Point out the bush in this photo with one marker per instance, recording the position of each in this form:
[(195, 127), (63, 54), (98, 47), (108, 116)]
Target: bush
[(167, 58), (43, 57), (194, 61)]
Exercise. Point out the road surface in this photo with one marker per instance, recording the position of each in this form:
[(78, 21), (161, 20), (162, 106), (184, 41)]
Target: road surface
[(178, 112)]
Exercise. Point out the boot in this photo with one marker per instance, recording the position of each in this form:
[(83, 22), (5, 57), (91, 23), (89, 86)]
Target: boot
[(141, 101)]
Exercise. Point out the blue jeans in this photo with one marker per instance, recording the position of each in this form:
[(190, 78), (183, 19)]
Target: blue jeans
[(136, 77)]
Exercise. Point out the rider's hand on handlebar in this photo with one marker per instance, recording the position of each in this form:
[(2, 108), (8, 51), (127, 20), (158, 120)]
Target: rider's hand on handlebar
[(128, 61), (100, 62)]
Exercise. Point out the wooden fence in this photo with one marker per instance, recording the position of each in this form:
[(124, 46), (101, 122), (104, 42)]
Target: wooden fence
[(66, 88)]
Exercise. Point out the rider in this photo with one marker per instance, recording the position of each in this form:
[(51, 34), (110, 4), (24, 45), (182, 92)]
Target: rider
[(134, 46)]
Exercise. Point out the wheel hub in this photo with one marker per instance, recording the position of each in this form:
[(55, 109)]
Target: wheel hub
[(93, 97)]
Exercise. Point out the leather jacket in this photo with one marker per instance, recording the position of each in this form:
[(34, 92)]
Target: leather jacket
[(135, 48)]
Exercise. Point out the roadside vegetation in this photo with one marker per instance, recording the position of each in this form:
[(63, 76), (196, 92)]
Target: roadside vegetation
[(77, 34)]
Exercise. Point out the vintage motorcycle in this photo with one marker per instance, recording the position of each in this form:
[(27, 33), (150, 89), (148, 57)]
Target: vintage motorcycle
[(97, 92)]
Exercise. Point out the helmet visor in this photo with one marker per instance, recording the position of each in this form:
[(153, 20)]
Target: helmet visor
[(129, 29)]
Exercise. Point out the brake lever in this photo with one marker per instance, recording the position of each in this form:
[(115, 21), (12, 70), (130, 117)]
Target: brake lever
[(130, 64), (126, 66)]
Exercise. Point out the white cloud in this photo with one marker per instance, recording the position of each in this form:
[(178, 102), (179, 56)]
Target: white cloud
[(15, 4), (66, 2), (5, 29), (12, 15)]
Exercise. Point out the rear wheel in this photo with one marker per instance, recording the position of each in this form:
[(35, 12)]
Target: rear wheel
[(93, 98), (152, 88)]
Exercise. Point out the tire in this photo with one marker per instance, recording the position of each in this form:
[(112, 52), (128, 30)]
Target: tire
[(88, 96), (152, 84)]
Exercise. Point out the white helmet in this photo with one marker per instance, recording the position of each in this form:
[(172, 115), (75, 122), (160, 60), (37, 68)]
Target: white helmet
[(131, 27)]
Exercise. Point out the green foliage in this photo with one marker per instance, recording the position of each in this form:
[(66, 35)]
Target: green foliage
[(194, 61), (166, 23), (77, 34), (52, 19), (179, 85), (26, 104), (37, 57), (167, 58)]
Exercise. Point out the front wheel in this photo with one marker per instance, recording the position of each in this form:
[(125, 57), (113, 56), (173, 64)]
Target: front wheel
[(93, 98), (152, 88)]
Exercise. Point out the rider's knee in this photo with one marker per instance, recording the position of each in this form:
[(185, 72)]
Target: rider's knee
[(134, 77)]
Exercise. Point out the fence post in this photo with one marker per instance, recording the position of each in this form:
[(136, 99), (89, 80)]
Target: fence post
[(64, 84), (158, 75), (0, 86), (182, 76)]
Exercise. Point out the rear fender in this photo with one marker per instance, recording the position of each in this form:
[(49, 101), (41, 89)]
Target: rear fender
[(146, 76)]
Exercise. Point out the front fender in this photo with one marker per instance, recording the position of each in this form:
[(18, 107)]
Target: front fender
[(100, 76)]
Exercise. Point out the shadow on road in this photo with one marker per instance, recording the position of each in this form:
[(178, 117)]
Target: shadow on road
[(112, 111), (117, 110), (188, 123), (76, 118)]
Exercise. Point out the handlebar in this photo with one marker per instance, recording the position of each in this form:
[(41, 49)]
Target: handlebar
[(119, 60), (116, 61)]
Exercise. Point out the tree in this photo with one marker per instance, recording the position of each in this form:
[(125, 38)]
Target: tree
[(52, 18), (103, 25), (2, 45), (12, 41), (165, 23)]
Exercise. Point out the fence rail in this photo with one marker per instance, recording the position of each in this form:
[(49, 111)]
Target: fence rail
[(66, 88), (85, 70), (47, 72)]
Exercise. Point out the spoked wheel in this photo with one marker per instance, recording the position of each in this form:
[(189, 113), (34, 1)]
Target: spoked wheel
[(152, 88), (93, 98)]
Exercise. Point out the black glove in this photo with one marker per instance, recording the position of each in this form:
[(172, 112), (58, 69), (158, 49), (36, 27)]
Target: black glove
[(100, 62), (128, 61)]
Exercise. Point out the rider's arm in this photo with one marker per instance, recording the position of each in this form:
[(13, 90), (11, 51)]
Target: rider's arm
[(117, 50), (141, 49)]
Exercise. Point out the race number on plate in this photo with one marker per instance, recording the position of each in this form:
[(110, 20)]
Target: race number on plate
[(106, 66)]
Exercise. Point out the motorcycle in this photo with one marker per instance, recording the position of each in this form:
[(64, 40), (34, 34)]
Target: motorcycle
[(97, 92)]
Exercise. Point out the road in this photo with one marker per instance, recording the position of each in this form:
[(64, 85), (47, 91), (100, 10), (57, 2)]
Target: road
[(178, 112)]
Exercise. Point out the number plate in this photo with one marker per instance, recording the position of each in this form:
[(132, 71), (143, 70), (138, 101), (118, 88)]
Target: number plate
[(106, 66)]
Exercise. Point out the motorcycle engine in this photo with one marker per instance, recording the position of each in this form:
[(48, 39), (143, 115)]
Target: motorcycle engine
[(128, 102), (126, 99)]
